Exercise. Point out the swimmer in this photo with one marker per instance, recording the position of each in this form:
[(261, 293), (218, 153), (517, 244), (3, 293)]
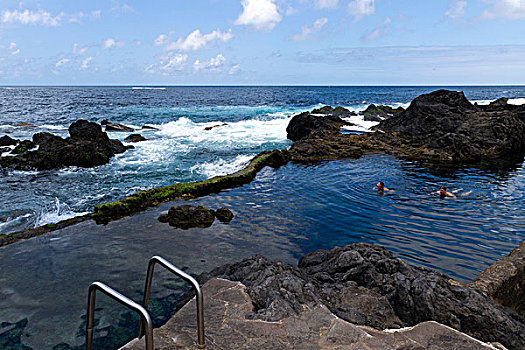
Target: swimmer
[(444, 193), (381, 187)]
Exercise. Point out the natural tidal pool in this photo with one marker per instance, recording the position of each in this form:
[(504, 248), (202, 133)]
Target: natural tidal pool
[(282, 214)]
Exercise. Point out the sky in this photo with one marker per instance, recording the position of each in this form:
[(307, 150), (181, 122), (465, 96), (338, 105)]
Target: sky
[(262, 42)]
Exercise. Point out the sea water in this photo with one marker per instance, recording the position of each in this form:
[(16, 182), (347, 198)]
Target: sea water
[(282, 214)]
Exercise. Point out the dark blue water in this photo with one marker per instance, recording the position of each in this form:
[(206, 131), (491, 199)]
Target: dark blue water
[(282, 214)]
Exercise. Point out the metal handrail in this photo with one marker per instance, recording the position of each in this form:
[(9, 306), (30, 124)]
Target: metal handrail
[(144, 315), (200, 303)]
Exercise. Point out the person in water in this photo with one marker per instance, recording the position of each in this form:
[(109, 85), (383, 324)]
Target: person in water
[(381, 187), (444, 193)]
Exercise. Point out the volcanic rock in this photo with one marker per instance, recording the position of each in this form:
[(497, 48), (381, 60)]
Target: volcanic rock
[(366, 285), (224, 215), (307, 125), (23, 147), (375, 113), (147, 127), (7, 141), (86, 147), (24, 124), (208, 128), (115, 126), (135, 138), (187, 216)]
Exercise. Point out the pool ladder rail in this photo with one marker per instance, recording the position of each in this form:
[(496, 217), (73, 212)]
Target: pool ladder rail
[(146, 324)]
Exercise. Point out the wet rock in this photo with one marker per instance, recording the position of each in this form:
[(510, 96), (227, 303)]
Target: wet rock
[(5, 149), (442, 126), (224, 215), (375, 113), (148, 127), (307, 125), (86, 147), (208, 128), (365, 284), (7, 141), (115, 126), (135, 138), (504, 281), (23, 147), (337, 111), (188, 216)]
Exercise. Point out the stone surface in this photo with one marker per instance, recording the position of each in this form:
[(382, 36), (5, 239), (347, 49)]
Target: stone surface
[(224, 215), (135, 138), (187, 216), (208, 128), (504, 281), (86, 147), (115, 126), (226, 327), (7, 141), (442, 126), (375, 113), (366, 285)]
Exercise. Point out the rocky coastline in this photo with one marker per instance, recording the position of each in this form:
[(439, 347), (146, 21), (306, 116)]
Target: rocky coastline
[(361, 286)]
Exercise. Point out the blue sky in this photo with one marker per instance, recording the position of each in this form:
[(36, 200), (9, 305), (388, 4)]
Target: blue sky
[(262, 42)]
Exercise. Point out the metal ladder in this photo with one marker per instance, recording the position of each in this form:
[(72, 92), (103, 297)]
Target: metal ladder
[(146, 324)]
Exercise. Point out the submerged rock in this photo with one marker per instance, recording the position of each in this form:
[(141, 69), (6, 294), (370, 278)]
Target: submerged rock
[(86, 147), (188, 216), (135, 138), (208, 128), (26, 125), (115, 126), (7, 141), (148, 127), (366, 285), (224, 215)]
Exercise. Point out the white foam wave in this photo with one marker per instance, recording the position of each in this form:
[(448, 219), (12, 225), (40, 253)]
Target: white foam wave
[(221, 167), (54, 213), (54, 127), (360, 124), (512, 101)]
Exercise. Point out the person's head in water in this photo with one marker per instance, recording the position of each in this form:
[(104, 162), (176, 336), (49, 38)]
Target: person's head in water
[(442, 191), (381, 186)]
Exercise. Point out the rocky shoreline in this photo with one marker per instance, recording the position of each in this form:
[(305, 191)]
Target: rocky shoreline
[(364, 287)]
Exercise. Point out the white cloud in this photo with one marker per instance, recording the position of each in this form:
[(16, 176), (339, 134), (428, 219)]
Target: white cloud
[(234, 69), (161, 40), (261, 14), (361, 8), (196, 40), (457, 10), (110, 42), (13, 49), (85, 62), (62, 62), (31, 17), (44, 18), (168, 64), (214, 64), (327, 4), (307, 32), (378, 31), (77, 50), (505, 9)]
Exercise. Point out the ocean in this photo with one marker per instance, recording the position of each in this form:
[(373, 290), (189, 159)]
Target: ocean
[(283, 213)]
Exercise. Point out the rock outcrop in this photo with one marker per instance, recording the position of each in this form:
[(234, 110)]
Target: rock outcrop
[(188, 216), (504, 281), (365, 285), (115, 126), (135, 138), (7, 141), (228, 325), (86, 147), (375, 113), (442, 126)]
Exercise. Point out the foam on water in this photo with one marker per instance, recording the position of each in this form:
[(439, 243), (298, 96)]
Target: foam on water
[(54, 213), (221, 167), (147, 88)]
